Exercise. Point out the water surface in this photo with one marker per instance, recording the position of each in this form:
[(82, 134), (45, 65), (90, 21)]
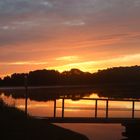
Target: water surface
[(41, 104)]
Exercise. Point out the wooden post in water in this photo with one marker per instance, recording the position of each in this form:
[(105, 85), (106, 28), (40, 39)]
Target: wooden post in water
[(107, 108), (26, 94), (133, 109), (96, 103), (54, 108), (63, 102)]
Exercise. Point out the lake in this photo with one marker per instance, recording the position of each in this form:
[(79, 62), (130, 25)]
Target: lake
[(41, 104)]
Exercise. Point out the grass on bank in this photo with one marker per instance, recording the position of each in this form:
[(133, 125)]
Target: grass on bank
[(16, 126)]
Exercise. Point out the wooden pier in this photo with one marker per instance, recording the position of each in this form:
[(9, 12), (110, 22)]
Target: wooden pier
[(95, 118)]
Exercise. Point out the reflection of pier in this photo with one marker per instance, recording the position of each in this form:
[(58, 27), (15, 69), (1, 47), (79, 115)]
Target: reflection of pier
[(95, 118)]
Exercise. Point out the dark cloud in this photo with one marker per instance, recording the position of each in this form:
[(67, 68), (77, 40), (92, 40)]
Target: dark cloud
[(17, 7)]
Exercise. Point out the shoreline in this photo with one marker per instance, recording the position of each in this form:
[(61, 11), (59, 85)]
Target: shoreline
[(15, 125)]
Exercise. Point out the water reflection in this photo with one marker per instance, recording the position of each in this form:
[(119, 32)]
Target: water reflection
[(97, 131), (41, 103)]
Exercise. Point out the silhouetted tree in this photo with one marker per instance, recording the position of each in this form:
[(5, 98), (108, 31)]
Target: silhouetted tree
[(116, 75), (1, 82), (17, 79), (6, 81), (43, 77)]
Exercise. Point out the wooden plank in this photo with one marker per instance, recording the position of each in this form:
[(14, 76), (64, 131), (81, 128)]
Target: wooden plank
[(127, 100), (90, 120)]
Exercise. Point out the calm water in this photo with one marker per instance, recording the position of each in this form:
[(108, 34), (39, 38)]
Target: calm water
[(41, 104)]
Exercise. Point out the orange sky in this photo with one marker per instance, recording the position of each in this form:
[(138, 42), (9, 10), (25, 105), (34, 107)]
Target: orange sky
[(88, 35)]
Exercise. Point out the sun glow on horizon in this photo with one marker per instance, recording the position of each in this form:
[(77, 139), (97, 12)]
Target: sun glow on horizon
[(67, 63), (94, 66)]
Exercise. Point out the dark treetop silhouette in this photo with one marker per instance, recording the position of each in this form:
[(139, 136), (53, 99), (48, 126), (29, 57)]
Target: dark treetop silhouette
[(113, 76)]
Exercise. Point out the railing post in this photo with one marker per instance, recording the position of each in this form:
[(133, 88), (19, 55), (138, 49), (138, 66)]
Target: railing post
[(96, 105), (63, 102), (54, 108), (107, 108), (133, 109)]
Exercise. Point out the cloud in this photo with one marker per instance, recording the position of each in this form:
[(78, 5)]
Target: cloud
[(7, 27), (94, 66), (34, 19), (24, 63), (46, 3), (67, 58), (58, 31), (74, 23), (16, 7)]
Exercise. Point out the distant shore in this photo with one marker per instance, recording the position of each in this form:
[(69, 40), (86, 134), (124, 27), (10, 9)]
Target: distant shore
[(44, 93), (74, 77), (38, 87), (74, 86)]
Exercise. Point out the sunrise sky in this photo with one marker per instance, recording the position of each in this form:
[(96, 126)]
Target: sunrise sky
[(65, 34)]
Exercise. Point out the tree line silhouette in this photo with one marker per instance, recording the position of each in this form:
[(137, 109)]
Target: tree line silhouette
[(115, 75)]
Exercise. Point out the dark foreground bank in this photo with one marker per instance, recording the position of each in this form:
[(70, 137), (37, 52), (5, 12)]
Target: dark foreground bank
[(14, 125)]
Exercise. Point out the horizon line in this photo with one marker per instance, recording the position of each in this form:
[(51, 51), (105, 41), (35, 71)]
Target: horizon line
[(9, 75)]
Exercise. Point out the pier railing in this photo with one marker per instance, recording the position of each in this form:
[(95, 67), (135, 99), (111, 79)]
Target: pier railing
[(107, 108)]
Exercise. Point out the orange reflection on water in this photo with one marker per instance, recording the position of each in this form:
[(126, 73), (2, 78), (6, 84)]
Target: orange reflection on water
[(74, 108)]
